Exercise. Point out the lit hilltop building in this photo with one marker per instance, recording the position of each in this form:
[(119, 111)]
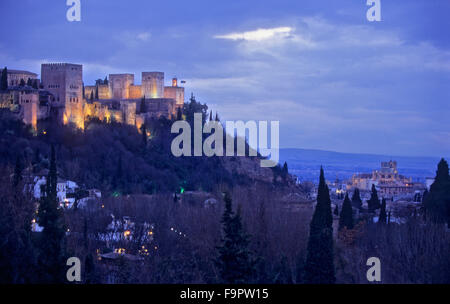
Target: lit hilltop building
[(60, 95), (387, 180)]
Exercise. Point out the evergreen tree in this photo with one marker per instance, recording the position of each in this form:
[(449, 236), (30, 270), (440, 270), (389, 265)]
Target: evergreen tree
[(35, 85), (92, 96), (383, 216), (210, 116), (17, 171), (235, 262), (143, 108), (373, 203), (356, 199), (144, 135), (22, 82), (17, 254), (319, 267), (96, 92), (437, 201), (336, 210), (52, 242), (4, 80), (106, 80), (346, 217), (29, 82), (179, 114), (285, 171), (84, 91)]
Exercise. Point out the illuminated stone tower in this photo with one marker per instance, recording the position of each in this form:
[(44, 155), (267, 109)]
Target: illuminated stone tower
[(175, 92), (65, 82), (120, 85), (153, 84)]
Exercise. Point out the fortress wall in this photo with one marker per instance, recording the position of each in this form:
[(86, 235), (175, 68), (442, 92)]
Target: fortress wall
[(5, 99), (104, 91), (88, 90), (14, 78), (135, 91)]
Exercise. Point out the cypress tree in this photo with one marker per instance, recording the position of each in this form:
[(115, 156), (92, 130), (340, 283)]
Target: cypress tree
[(92, 96), (356, 199), (96, 92), (383, 216), (319, 267), (437, 201), (106, 80), (22, 82), (374, 202), (4, 79), (17, 171), (346, 218), (336, 210), (35, 85), (144, 135), (29, 82), (235, 261), (285, 170), (179, 114), (53, 234)]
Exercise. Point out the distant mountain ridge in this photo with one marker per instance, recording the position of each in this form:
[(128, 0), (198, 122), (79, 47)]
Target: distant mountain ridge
[(305, 163)]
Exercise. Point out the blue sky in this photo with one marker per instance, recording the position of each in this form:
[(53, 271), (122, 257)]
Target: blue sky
[(334, 80)]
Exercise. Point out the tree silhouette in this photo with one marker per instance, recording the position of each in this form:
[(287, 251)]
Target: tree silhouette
[(319, 268)]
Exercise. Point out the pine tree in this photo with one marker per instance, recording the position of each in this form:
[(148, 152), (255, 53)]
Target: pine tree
[(373, 203), (53, 234), (4, 80), (437, 200), (319, 267), (356, 199), (383, 216), (346, 217), (235, 262), (22, 82)]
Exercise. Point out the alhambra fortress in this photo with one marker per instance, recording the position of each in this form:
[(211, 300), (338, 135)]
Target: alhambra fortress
[(60, 94)]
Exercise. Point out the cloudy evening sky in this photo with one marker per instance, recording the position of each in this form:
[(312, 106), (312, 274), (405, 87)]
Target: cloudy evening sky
[(334, 80)]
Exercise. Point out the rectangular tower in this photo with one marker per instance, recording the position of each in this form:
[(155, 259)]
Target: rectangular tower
[(65, 82), (120, 85), (175, 92), (153, 84)]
